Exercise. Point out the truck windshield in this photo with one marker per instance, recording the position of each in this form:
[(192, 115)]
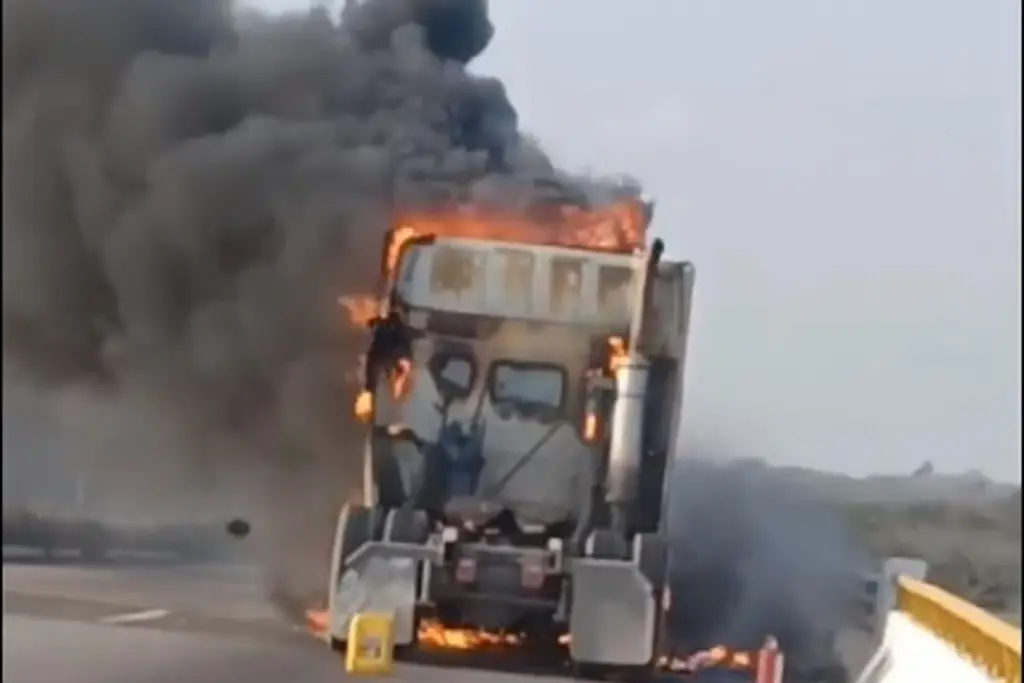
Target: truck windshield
[(534, 388)]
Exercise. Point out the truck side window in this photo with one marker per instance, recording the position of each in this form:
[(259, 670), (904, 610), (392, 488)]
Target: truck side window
[(534, 390)]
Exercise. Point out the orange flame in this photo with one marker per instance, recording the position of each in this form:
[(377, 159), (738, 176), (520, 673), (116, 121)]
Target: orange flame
[(363, 408), (317, 621), (401, 383), (718, 656), (360, 309), (433, 634), (590, 423), (618, 355), (399, 237), (618, 227)]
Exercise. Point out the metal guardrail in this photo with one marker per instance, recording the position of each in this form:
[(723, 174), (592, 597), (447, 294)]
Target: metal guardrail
[(990, 643)]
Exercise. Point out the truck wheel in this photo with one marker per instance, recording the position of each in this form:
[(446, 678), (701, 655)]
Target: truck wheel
[(357, 524)]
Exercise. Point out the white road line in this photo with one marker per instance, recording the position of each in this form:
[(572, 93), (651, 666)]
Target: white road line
[(135, 617)]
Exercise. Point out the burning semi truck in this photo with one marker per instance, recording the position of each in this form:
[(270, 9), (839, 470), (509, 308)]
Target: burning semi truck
[(523, 388)]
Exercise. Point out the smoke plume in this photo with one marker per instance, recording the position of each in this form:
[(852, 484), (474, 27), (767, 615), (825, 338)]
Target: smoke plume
[(186, 194)]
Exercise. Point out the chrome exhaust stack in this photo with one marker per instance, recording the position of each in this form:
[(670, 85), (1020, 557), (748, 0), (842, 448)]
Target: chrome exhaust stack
[(625, 450)]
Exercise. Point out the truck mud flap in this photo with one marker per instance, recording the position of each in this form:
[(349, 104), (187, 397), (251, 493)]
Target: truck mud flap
[(380, 586), (383, 578), (614, 616)]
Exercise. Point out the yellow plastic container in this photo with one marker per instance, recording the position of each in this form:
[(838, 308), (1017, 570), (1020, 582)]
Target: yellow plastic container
[(371, 645)]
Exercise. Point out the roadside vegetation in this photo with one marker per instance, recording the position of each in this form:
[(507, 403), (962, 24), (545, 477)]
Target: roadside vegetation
[(973, 548)]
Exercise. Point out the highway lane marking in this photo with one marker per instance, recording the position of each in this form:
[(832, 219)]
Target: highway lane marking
[(135, 617)]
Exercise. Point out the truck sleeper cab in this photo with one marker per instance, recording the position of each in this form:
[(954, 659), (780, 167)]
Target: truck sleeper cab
[(517, 484)]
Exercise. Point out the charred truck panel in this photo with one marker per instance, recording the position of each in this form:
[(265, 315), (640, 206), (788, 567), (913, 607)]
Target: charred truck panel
[(524, 400)]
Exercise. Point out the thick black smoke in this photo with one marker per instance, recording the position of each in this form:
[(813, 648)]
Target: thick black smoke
[(754, 555), (187, 194)]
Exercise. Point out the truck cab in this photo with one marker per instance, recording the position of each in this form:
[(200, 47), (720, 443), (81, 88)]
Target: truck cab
[(524, 397), (515, 341)]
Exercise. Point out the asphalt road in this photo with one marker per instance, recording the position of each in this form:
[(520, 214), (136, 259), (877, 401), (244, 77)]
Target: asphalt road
[(153, 624), (158, 623)]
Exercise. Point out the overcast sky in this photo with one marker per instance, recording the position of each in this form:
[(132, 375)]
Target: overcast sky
[(846, 177)]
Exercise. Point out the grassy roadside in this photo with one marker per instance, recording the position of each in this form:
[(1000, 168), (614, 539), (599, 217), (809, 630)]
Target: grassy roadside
[(973, 550)]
